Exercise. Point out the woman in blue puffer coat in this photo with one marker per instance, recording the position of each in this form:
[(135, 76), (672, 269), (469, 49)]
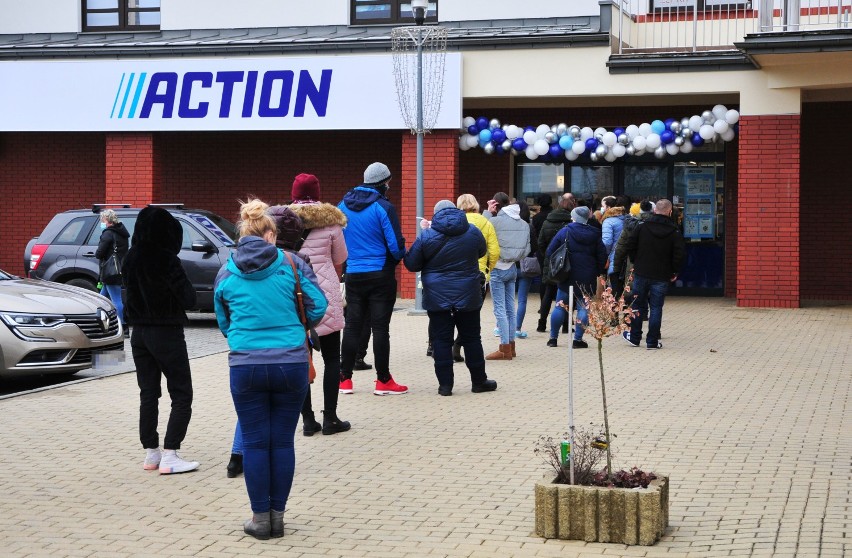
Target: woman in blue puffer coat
[(447, 255)]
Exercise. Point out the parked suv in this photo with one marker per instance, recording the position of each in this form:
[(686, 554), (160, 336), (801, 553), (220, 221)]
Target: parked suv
[(65, 250)]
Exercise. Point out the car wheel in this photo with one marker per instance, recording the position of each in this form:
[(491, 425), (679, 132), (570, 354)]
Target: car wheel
[(82, 283)]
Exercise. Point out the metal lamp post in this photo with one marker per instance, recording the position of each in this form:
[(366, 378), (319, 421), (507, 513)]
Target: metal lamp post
[(419, 9)]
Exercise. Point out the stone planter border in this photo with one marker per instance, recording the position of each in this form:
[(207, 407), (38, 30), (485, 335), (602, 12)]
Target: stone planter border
[(600, 514)]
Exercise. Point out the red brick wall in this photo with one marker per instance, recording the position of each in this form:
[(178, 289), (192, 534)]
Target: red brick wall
[(768, 212), (440, 181), (133, 172), (826, 242), (40, 175)]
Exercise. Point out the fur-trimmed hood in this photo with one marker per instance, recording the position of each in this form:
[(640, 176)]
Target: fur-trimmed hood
[(613, 212), (317, 215)]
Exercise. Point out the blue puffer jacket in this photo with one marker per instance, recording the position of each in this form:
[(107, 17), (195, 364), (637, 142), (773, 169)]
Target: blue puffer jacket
[(448, 257), (255, 303), (588, 256), (373, 236), (612, 227)]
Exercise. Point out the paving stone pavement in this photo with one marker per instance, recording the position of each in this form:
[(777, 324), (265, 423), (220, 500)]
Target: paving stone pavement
[(747, 410)]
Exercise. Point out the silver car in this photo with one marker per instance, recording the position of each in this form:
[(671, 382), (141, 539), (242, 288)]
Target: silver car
[(50, 328)]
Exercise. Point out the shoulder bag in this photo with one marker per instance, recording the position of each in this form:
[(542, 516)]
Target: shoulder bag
[(530, 267), (312, 339), (558, 265), (111, 273)]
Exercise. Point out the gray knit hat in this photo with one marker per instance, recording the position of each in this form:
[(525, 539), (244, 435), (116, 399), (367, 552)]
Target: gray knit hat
[(443, 204), (377, 173), (580, 214)]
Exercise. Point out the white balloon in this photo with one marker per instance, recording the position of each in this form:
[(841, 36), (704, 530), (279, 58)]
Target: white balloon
[(463, 143), (472, 141), (511, 131), (541, 146), (531, 154), (600, 131), (578, 147), (686, 147), (695, 123), (639, 152), (586, 133), (653, 141), (719, 111), (639, 143), (732, 117), (645, 129), (610, 157), (632, 131), (672, 149), (541, 131), (619, 150), (729, 134), (610, 139), (468, 122), (720, 126), (707, 132), (570, 155), (529, 137)]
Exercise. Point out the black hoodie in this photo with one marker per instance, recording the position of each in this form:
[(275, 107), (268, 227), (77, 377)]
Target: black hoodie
[(113, 238), (656, 248)]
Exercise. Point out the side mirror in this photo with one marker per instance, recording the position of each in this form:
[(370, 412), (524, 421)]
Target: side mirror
[(203, 246)]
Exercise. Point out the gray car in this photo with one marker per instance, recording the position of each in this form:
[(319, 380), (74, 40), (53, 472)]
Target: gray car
[(49, 328)]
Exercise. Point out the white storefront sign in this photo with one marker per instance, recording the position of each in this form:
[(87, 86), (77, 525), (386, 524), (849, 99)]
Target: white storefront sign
[(269, 93)]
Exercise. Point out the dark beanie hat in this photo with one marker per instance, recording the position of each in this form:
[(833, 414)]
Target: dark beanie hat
[(544, 200), (305, 187), (289, 227)]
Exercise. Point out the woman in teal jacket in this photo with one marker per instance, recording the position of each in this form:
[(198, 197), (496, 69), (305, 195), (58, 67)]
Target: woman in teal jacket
[(255, 302)]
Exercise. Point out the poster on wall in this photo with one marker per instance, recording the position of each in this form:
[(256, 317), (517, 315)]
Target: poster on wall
[(700, 204)]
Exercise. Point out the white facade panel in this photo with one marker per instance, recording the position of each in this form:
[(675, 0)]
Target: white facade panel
[(227, 14), (39, 16), (264, 93), (464, 10)]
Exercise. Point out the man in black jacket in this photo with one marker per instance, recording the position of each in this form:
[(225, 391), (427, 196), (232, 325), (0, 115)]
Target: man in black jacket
[(554, 222), (657, 250)]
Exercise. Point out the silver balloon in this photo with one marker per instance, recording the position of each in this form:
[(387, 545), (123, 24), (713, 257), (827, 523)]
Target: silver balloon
[(599, 137), (494, 124), (707, 116), (489, 148), (624, 139), (631, 151), (551, 137), (515, 152), (686, 133), (678, 141), (675, 127), (659, 152), (600, 150), (561, 129), (574, 131), (554, 129), (593, 157), (684, 123), (507, 145)]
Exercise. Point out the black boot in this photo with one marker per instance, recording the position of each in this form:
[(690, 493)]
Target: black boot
[(542, 325), (457, 356), (332, 425), (310, 426), (235, 465), (429, 348), (361, 365)]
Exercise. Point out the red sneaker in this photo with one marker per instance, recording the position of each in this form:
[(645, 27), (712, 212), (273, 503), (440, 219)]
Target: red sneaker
[(346, 386), (389, 388)]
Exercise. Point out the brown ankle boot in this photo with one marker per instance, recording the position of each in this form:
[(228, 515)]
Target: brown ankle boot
[(512, 345), (503, 353)]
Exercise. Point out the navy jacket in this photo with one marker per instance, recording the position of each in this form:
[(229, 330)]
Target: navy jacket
[(448, 255), (373, 236), (588, 257)]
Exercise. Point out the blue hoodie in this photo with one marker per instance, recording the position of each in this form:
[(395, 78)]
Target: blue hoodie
[(373, 236), (255, 303)]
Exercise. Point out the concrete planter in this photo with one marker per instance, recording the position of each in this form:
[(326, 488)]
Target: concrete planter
[(598, 514)]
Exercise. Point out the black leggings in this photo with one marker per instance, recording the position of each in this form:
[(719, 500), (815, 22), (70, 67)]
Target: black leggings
[(330, 350)]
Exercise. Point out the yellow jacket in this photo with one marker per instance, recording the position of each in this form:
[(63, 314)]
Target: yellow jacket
[(492, 254)]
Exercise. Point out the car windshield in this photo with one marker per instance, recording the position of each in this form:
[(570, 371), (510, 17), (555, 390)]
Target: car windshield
[(5, 276), (223, 229)]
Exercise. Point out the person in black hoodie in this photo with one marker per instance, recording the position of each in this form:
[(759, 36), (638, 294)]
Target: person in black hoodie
[(111, 251), (657, 250), (552, 224), (158, 295)]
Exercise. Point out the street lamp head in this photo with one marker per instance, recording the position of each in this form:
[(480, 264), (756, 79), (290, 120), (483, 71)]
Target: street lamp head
[(418, 7)]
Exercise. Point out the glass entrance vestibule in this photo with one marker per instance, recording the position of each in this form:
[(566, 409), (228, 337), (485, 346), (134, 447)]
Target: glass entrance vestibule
[(695, 184)]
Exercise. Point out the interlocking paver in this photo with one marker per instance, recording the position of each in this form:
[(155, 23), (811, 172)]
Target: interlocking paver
[(747, 410)]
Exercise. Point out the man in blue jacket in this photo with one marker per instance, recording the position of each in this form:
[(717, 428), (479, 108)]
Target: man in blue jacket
[(375, 244)]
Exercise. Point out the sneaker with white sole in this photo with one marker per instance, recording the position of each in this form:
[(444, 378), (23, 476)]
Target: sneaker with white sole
[(657, 345), (626, 336), (171, 463), (496, 332), (152, 459), (389, 388)]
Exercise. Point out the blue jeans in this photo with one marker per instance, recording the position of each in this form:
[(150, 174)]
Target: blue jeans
[(648, 293), (503, 295), (559, 315), (268, 399), (113, 292), (523, 291)]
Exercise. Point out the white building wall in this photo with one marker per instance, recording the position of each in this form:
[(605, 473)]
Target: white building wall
[(39, 16), (463, 10), (227, 14)]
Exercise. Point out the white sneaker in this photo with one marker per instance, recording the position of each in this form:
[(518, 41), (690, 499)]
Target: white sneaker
[(172, 463), (152, 459)]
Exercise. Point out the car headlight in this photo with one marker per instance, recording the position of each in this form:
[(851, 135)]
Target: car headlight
[(32, 320)]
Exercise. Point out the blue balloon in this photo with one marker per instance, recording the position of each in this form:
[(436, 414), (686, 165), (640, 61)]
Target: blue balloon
[(668, 123), (667, 137), (658, 127), (591, 144), (484, 136), (498, 135), (473, 130), (565, 142), (618, 131), (697, 140), (498, 148), (555, 150), (529, 128), (482, 123), (519, 144)]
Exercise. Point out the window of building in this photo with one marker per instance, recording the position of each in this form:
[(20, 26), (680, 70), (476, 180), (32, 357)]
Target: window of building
[(121, 15), (367, 12)]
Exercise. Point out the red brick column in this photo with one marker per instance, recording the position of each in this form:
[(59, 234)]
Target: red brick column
[(133, 169), (768, 211), (440, 182)]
